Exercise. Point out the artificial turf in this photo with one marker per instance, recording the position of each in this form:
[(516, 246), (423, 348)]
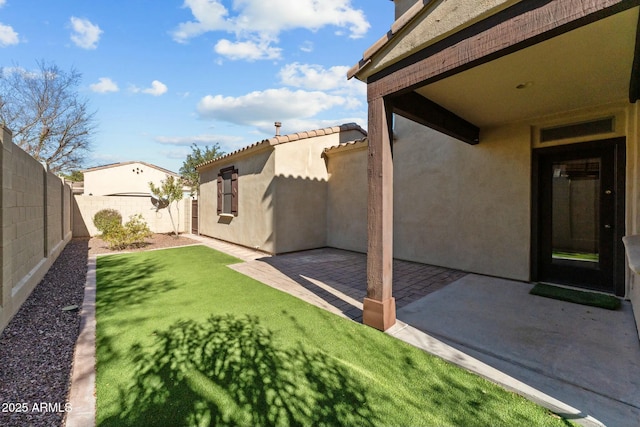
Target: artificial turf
[(593, 299), (182, 339)]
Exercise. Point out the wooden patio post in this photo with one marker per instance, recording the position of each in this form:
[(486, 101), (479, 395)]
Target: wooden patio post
[(379, 309)]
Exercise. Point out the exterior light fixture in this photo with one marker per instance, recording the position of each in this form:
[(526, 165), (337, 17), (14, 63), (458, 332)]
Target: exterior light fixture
[(524, 85)]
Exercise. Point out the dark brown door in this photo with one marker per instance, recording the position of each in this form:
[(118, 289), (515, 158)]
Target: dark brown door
[(580, 215), (194, 217)]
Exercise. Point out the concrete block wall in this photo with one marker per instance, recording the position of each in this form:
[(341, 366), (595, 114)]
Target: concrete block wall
[(85, 207), (35, 213)]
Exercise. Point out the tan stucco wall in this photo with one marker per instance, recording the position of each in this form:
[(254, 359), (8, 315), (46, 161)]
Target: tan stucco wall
[(158, 221), (282, 195), (440, 20), (455, 205), (32, 236), (462, 206), (129, 178), (254, 225), (347, 199), (301, 191), (633, 199)]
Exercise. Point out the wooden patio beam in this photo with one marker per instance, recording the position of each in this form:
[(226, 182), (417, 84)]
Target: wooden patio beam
[(522, 25), (421, 110), (379, 310)]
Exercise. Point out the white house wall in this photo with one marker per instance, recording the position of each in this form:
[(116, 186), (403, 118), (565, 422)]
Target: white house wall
[(122, 179)]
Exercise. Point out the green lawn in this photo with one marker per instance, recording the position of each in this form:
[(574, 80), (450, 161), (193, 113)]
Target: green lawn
[(184, 340)]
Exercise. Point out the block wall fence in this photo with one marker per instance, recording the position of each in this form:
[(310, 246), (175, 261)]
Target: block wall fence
[(36, 212), (40, 215), (85, 207)]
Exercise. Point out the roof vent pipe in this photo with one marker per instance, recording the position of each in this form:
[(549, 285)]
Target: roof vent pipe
[(278, 126)]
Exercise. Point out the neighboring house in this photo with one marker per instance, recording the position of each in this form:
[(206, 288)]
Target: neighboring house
[(123, 179), (272, 195), (125, 188), (516, 143)]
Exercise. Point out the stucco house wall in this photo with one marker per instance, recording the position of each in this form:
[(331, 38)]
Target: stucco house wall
[(347, 196), (253, 227), (455, 205), (301, 190), (461, 206), (127, 178), (282, 187)]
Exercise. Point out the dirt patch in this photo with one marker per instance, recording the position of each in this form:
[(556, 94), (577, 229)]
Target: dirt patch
[(98, 246)]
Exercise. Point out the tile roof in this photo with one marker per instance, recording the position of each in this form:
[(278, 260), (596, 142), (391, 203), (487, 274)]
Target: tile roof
[(344, 146), (282, 139), (113, 165)]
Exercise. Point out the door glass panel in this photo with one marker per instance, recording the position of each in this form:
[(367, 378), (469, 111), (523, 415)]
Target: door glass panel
[(575, 216)]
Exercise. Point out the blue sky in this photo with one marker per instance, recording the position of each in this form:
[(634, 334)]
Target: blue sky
[(163, 74)]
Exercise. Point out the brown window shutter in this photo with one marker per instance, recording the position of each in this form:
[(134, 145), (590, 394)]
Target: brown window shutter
[(234, 192), (219, 194)]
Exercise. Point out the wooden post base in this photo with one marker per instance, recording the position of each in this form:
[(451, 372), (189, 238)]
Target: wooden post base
[(379, 314)]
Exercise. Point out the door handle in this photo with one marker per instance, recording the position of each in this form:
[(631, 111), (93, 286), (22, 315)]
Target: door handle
[(607, 226)]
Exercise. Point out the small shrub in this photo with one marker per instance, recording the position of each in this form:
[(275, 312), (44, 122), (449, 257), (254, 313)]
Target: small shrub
[(130, 235), (106, 219)]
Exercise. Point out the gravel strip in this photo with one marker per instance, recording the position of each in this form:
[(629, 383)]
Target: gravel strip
[(37, 346)]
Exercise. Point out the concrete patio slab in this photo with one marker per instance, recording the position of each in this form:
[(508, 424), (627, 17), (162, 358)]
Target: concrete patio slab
[(588, 358)]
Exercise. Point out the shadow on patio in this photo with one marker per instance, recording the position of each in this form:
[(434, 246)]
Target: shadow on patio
[(336, 279)]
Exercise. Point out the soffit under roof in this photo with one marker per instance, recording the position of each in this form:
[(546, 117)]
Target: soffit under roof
[(585, 67)]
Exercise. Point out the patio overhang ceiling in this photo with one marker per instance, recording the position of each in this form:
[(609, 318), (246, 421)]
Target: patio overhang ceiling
[(488, 75)]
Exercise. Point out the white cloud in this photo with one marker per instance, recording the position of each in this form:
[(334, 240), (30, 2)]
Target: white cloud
[(85, 34), (267, 106), (210, 15), (315, 77), (264, 20), (247, 50), (157, 88), (179, 154), (332, 80), (198, 140), (2, 2), (8, 36), (307, 46), (104, 85)]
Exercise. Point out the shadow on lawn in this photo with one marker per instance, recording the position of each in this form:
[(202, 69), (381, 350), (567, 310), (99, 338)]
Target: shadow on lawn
[(228, 371), (125, 282)]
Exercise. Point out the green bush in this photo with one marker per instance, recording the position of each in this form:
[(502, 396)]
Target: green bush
[(106, 219), (130, 235)]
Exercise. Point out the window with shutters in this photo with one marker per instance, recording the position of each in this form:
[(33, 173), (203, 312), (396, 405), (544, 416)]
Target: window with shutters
[(228, 191)]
